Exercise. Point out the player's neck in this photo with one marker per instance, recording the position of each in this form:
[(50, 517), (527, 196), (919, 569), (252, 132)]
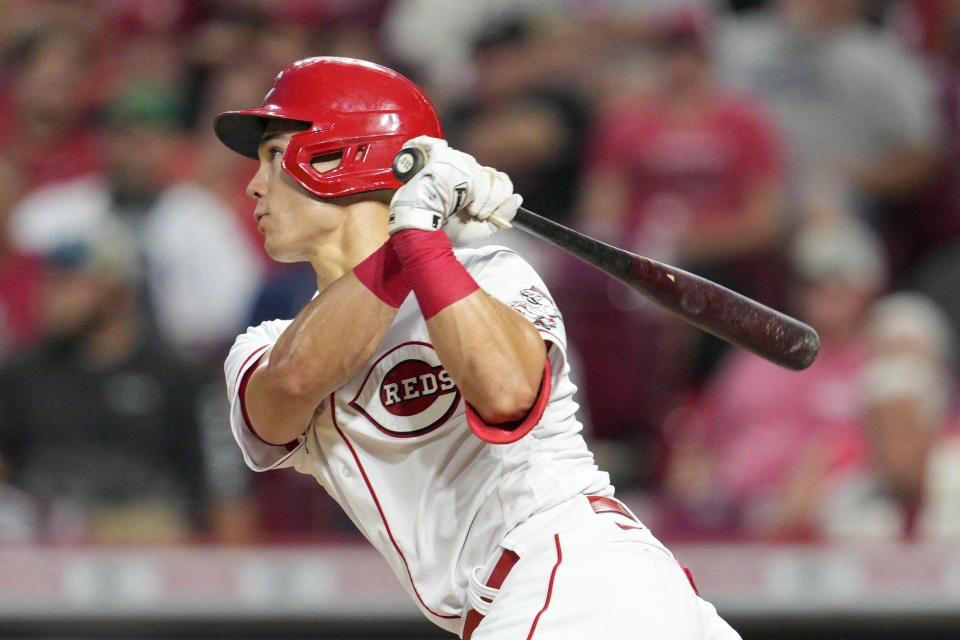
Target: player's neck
[(363, 231)]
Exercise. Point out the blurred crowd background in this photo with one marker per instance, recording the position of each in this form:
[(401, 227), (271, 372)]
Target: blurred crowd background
[(803, 152)]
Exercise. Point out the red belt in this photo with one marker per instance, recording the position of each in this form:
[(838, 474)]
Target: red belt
[(509, 558)]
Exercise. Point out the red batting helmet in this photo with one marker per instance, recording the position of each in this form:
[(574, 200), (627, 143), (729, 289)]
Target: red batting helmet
[(363, 111)]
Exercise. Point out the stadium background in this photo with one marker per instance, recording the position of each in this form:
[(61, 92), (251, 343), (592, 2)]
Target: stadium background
[(846, 125)]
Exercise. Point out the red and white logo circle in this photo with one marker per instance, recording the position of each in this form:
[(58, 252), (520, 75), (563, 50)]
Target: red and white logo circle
[(407, 392)]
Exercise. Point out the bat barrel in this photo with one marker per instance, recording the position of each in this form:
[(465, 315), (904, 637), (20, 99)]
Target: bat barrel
[(727, 314), (707, 305)]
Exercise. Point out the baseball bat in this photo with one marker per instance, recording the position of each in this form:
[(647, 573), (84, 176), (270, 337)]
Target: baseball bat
[(703, 303)]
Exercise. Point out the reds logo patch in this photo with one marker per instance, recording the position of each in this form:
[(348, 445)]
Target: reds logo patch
[(407, 392), (538, 308)]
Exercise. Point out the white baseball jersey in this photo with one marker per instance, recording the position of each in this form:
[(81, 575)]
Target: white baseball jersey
[(393, 446)]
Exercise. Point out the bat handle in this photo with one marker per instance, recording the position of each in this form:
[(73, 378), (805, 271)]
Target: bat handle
[(408, 162)]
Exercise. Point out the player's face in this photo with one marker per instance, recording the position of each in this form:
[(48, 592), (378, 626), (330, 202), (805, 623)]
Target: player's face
[(294, 223)]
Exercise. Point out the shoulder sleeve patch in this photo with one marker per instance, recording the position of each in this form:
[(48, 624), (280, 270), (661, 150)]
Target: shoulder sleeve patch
[(537, 307)]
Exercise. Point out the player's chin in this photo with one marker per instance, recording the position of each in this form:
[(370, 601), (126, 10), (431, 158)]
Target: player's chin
[(279, 251), (276, 249)]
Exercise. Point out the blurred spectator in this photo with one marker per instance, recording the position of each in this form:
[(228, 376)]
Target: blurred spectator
[(436, 39), (931, 236), (100, 424), (750, 456), (200, 271), (926, 26), (48, 99), (856, 104), (907, 323), (930, 230), (525, 113), (289, 508), (689, 172), (911, 491), (20, 273), (558, 43), (533, 135), (284, 293)]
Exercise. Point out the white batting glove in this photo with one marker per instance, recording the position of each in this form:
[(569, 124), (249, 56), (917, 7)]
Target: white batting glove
[(492, 207), (455, 192), (441, 188)]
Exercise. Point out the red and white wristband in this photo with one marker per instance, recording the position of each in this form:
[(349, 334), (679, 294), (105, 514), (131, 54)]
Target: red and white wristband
[(437, 277), (382, 273)]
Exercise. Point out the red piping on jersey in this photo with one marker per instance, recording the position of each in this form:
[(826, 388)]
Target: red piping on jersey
[(242, 392), (512, 431), (376, 502), (689, 575), (249, 358), (553, 576), (241, 395)]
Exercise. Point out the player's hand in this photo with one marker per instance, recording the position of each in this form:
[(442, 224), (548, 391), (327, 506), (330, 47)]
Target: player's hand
[(438, 190), (452, 182), (492, 206)]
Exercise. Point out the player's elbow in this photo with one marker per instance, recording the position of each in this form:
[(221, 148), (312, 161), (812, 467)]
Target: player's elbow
[(291, 383), (510, 403), (507, 412)]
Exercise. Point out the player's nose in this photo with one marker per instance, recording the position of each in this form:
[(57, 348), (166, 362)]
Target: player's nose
[(257, 187)]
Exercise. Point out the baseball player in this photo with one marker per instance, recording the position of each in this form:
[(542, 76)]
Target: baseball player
[(426, 387)]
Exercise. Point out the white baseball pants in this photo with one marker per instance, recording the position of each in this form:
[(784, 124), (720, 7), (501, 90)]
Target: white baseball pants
[(587, 569)]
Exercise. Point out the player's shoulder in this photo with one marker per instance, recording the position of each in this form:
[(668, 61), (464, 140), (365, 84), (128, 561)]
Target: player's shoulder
[(255, 336), (255, 340), (265, 328)]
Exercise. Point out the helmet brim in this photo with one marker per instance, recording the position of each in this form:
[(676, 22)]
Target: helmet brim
[(241, 131)]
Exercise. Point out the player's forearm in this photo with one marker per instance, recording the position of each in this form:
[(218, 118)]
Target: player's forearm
[(325, 346), (494, 354)]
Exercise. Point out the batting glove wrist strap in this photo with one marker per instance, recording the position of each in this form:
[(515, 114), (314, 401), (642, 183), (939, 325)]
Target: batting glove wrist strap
[(419, 204), (437, 277)]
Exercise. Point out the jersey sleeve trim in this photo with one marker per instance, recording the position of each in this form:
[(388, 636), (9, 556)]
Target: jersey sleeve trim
[(241, 396), (508, 432)]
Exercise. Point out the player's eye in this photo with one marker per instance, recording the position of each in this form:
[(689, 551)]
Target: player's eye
[(275, 152)]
